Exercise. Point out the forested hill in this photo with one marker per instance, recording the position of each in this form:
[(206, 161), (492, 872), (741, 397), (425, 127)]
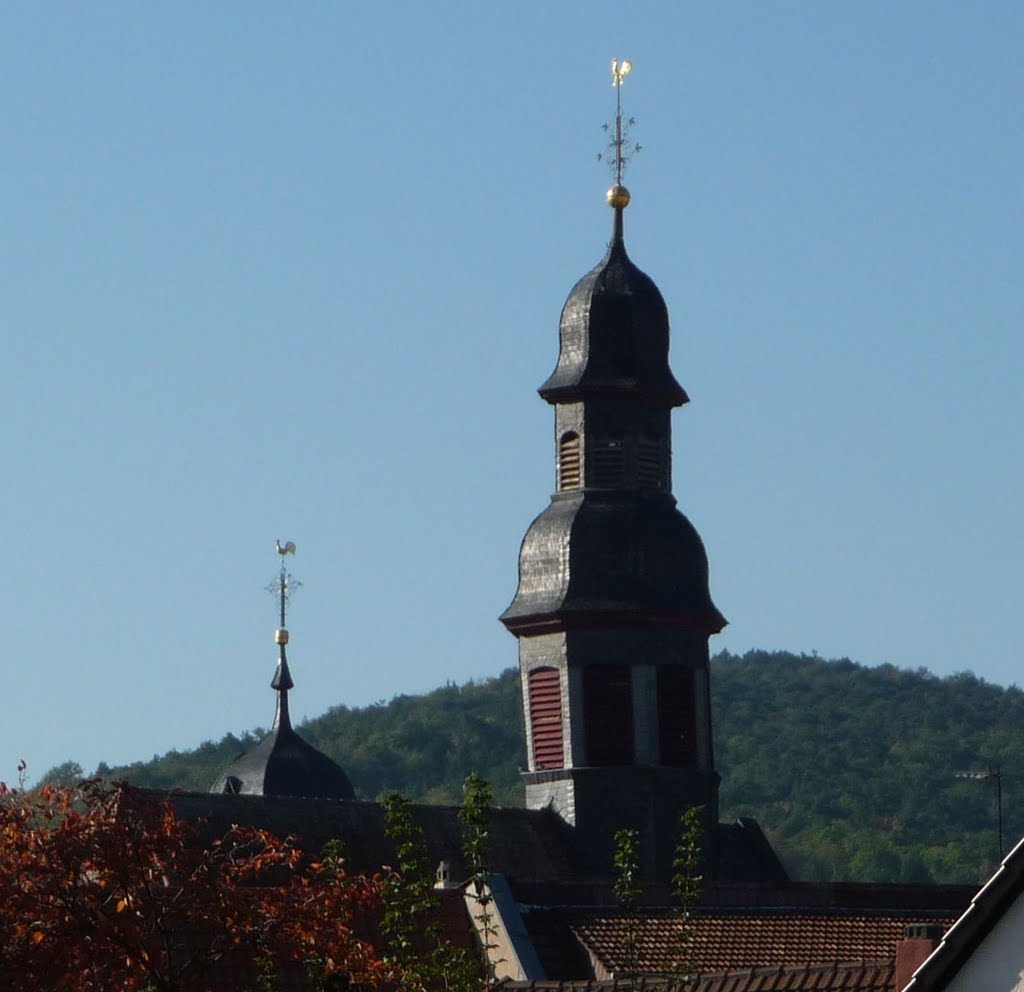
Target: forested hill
[(851, 771)]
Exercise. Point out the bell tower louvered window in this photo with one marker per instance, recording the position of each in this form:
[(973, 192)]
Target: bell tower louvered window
[(608, 464), (677, 717), (545, 689), (608, 714), (650, 470), (569, 462)]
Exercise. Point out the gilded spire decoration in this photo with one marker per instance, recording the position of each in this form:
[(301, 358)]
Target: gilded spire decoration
[(283, 587), (620, 150), (282, 681)]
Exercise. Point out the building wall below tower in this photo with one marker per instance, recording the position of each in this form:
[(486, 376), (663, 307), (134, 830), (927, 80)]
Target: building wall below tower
[(597, 802)]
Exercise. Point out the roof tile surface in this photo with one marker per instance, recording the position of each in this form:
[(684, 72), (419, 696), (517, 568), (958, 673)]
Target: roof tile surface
[(854, 977), (720, 940)]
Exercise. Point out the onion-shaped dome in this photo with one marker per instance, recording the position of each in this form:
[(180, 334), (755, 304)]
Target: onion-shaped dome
[(283, 764), (613, 334), (614, 556)]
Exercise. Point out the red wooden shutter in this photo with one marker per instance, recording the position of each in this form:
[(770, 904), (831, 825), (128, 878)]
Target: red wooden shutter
[(677, 717), (545, 690), (608, 714)]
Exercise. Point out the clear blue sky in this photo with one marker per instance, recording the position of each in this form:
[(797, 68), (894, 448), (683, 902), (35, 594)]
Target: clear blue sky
[(295, 270)]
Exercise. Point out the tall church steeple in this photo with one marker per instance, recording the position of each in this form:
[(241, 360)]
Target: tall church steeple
[(613, 611)]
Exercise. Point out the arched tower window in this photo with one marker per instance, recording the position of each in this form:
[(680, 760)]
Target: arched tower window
[(569, 461), (677, 717), (608, 714), (545, 693)]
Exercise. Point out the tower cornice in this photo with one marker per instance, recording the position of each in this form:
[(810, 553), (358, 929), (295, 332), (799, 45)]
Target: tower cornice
[(679, 620)]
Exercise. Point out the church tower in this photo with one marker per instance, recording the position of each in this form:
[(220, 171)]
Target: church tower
[(613, 611)]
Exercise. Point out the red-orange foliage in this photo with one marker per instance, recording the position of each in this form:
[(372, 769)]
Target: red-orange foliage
[(322, 919), (102, 888)]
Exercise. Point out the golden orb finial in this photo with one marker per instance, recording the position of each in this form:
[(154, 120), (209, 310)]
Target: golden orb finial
[(618, 197)]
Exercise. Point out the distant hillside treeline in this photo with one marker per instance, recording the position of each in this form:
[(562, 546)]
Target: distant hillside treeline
[(851, 771)]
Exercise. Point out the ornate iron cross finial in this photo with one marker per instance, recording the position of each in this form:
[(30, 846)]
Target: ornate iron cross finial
[(284, 585), (619, 151)]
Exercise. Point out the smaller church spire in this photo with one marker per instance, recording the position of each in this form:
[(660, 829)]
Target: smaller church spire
[(283, 587), (283, 763)]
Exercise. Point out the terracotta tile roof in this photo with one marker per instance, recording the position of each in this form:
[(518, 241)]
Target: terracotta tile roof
[(721, 940), (860, 977), (857, 977)]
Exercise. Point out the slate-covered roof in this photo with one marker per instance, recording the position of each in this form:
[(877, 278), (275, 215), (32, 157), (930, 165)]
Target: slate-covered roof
[(283, 764), (533, 848), (525, 844), (574, 557), (614, 335), (581, 558), (745, 854)]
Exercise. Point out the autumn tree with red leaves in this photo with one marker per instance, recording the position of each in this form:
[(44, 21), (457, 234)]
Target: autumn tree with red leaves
[(320, 920), (103, 887)]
